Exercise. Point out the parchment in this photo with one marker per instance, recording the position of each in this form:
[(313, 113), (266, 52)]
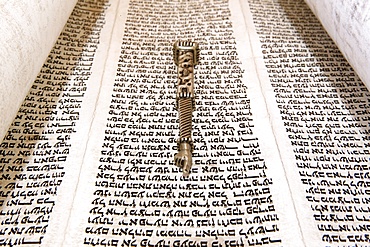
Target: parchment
[(74, 204), (348, 24), (28, 31)]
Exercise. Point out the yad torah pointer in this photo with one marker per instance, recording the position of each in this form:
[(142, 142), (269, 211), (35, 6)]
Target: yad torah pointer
[(186, 56)]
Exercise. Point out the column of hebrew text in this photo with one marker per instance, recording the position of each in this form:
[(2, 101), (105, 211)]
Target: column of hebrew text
[(321, 118)]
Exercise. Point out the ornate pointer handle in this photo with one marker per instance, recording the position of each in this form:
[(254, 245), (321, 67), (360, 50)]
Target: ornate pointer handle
[(186, 56)]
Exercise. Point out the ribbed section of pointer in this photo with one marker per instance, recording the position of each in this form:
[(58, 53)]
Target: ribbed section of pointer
[(185, 111), (186, 43)]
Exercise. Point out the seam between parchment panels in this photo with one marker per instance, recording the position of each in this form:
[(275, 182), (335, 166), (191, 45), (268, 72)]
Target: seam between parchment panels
[(92, 119), (243, 8)]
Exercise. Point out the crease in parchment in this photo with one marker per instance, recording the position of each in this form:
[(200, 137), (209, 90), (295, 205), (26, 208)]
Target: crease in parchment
[(104, 64)]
